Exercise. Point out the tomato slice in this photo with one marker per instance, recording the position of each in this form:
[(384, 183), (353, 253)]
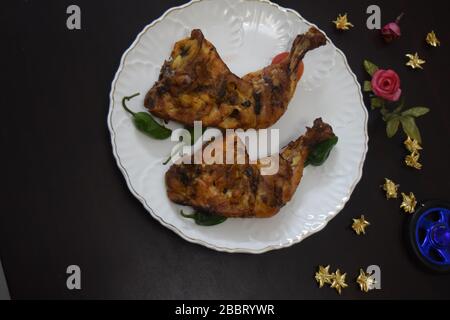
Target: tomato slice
[(300, 69), (281, 56)]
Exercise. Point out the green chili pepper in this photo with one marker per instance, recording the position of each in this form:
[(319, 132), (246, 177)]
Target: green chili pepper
[(321, 151), (145, 123), (204, 219)]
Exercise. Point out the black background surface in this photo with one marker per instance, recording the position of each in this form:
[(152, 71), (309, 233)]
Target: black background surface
[(64, 201)]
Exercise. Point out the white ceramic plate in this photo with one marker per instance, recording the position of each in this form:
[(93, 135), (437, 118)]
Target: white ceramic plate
[(247, 34)]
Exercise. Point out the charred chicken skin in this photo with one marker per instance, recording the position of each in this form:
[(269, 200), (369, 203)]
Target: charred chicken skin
[(195, 84), (239, 190)]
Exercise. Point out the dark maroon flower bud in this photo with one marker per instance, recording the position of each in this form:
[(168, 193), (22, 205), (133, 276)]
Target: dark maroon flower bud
[(391, 31)]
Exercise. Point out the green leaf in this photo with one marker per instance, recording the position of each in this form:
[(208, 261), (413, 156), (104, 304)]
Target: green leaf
[(415, 112), (370, 67), (387, 116), (392, 127), (376, 103), (410, 128), (367, 86), (204, 219), (400, 105), (321, 151)]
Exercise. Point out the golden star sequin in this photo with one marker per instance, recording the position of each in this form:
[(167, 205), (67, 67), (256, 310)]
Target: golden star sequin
[(338, 281), (359, 225), (412, 145), (365, 281), (323, 276), (412, 160), (342, 22), (391, 188), (432, 39), (409, 202), (414, 61)]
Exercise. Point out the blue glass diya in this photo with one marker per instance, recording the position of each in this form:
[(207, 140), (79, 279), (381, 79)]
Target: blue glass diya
[(430, 234)]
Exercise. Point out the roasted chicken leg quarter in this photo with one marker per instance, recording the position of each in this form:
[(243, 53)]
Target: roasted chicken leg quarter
[(195, 84), (239, 190)]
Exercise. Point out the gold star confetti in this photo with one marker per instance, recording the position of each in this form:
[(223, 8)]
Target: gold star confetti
[(338, 281), (409, 202), (359, 225), (414, 61), (391, 188), (342, 22), (432, 39), (412, 160), (412, 145), (365, 281), (323, 276)]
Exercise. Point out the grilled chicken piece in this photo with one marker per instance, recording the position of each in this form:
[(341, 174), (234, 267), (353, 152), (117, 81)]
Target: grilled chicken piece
[(239, 190), (195, 84)]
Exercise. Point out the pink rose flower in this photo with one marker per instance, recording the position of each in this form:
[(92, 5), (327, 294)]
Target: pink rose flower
[(386, 84), (391, 31)]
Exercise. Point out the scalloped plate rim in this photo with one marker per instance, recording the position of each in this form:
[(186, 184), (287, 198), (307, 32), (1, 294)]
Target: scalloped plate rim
[(180, 232)]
